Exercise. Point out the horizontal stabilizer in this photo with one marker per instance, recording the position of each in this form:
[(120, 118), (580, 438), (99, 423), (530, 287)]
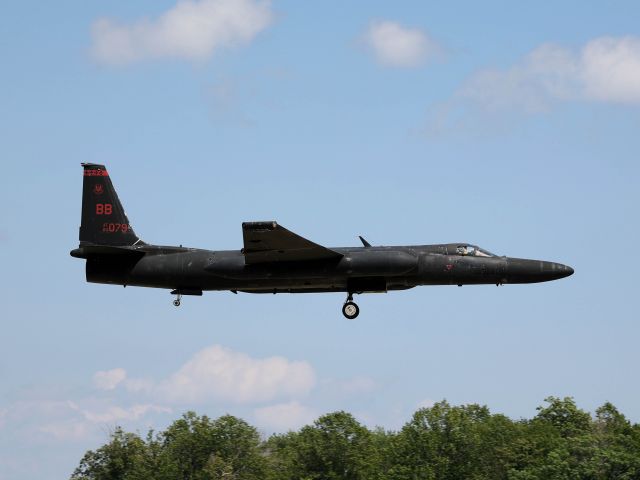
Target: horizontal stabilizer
[(269, 242), (102, 250)]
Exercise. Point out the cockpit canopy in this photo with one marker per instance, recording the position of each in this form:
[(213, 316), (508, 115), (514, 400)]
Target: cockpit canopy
[(472, 251)]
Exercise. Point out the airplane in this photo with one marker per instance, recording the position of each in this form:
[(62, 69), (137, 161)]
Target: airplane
[(276, 260)]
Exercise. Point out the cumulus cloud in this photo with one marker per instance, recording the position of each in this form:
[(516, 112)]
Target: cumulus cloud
[(220, 373), (67, 430), (285, 416), (192, 30), (67, 420), (223, 378), (116, 414), (109, 379), (605, 69), (79, 423), (611, 69), (394, 45), (38, 418)]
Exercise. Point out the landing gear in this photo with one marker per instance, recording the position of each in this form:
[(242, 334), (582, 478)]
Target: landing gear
[(350, 310), (178, 292)]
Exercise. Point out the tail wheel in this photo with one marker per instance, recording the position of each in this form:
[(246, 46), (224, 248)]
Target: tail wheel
[(350, 310)]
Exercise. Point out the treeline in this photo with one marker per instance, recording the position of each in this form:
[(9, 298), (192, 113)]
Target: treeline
[(442, 442)]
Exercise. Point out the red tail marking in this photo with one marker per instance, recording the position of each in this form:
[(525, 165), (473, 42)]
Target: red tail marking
[(96, 173)]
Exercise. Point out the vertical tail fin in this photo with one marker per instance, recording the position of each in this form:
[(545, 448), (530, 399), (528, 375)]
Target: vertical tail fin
[(104, 221)]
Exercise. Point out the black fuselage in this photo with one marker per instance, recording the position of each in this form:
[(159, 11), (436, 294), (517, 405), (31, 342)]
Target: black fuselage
[(361, 269)]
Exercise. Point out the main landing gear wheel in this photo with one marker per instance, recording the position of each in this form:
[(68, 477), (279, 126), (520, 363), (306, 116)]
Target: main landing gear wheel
[(350, 310)]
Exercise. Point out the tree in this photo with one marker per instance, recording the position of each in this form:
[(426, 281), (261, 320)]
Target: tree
[(444, 442), (200, 448), (336, 446), (119, 459), (617, 453), (565, 416)]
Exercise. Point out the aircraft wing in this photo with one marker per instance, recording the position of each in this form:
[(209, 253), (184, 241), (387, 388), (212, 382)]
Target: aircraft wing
[(269, 242)]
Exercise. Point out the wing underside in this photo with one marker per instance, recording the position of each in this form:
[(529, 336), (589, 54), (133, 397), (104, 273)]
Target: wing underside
[(269, 242)]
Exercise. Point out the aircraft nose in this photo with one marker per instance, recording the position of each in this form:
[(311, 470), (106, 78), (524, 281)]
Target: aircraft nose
[(528, 271), (556, 270)]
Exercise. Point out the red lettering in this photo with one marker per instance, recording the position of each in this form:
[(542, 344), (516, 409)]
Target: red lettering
[(96, 173), (115, 227), (104, 209)]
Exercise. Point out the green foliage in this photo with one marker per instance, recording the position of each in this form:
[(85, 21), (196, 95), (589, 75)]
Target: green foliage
[(121, 458), (192, 448), (565, 416), (200, 448), (336, 446), (445, 442), (441, 442)]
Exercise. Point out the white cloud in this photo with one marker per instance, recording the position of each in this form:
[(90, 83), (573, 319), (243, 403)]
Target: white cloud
[(220, 373), (109, 379), (115, 413), (611, 69), (285, 416), (192, 29), (605, 69), (66, 430), (216, 375), (71, 420), (397, 46), (38, 408), (78, 423)]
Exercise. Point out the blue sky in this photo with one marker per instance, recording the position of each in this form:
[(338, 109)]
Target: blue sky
[(511, 126)]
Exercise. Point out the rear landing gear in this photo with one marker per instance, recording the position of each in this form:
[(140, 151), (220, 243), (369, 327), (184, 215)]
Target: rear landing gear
[(178, 292), (350, 310)]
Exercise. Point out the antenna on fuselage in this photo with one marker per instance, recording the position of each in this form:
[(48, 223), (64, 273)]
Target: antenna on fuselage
[(364, 242)]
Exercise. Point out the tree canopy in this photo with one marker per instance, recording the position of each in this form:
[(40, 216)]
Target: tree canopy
[(442, 442)]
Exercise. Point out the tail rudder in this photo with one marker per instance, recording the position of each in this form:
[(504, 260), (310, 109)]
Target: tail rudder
[(104, 221)]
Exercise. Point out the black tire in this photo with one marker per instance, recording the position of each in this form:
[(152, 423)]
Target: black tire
[(350, 310), (176, 303)]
